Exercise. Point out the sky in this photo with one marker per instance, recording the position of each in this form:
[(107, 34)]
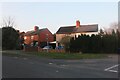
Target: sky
[(53, 15)]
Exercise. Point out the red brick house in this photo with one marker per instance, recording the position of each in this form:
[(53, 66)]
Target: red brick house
[(38, 35)]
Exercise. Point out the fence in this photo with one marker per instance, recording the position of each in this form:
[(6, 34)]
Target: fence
[(38, 49)]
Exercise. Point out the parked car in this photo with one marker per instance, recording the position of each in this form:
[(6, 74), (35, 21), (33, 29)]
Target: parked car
[(59, 47), (48, 47)]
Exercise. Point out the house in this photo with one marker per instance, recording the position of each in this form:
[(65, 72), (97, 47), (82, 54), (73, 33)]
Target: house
[(38, 37), (21, 39), (75, 31)]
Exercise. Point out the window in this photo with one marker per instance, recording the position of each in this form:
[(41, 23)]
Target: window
[(32, 37), (25, 37)]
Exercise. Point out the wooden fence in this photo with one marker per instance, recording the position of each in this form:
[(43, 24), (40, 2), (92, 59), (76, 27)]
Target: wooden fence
[(38, 49)]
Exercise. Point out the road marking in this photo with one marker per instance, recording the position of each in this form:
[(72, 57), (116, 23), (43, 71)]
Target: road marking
[(113, 71), (15, 57), (63, 65), (57, 71), (109, 69), (50, 63), (24, 58), (31, 63)]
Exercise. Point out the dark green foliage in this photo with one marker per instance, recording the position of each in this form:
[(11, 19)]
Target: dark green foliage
[(10, 38), (101, 43)]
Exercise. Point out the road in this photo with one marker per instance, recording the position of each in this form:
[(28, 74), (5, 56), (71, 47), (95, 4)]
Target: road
[(36, 67)]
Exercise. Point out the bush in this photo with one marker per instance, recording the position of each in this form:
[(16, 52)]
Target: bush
[(105, 43), (10, 38)]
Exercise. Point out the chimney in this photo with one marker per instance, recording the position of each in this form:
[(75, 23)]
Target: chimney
[(36, 28), (77, 24)]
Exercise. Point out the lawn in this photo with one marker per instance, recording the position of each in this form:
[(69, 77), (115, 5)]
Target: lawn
[(58, 55)]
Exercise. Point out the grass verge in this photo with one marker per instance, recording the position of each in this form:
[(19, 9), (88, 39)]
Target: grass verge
[(69, 55), (58, 55)]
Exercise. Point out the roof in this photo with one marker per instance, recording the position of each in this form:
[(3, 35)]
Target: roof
[(82, 28), (34, 32)]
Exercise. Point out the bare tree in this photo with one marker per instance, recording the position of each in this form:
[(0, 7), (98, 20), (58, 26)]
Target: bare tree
[(8, 22), (113, 26)]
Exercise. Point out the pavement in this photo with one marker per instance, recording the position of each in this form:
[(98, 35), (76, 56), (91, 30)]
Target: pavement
[(38, 67)]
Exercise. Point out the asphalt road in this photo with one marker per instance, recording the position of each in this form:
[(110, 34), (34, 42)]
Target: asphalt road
[(36, 67)]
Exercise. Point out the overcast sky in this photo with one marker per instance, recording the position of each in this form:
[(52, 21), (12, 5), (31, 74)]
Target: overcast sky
[(53, 15)]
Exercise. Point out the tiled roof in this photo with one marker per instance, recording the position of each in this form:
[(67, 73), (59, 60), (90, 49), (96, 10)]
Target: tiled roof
[(82, 28), (34, 32), (65, 29)]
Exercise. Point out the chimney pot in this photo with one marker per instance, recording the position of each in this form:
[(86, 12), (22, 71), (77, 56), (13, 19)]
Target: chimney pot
[(77, 24), (36, 28)]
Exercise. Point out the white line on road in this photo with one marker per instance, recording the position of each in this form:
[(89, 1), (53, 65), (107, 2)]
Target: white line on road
[(15, 57), (57, 71), (31, 63), (113, 71), (109, 69), (24, 58), (50, 63)]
